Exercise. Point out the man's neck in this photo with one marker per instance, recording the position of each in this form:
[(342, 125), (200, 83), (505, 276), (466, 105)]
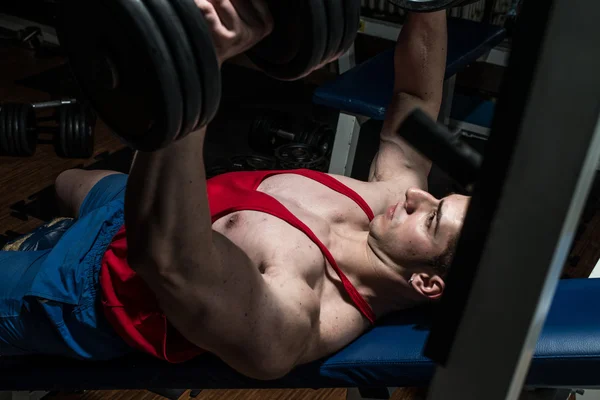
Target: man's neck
[(380, 281)]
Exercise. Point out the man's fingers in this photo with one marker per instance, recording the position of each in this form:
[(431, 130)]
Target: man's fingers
[(210, 14), (227, 13)]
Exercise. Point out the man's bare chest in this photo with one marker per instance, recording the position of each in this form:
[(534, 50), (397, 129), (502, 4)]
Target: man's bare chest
[(268, 239)]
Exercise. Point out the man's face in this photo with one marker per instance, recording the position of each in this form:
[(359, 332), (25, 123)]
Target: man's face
[(419, 228)]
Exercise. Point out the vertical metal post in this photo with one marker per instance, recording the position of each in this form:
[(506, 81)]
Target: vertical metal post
[(344, 145), (540, 161)]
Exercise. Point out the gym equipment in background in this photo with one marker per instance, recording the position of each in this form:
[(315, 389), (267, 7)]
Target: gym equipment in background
[(269, 130), (72, 132)]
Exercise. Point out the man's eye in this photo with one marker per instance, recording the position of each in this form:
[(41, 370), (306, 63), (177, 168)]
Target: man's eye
[(430, 219)]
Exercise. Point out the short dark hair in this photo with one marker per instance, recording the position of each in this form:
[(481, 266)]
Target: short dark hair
[(441, 264)]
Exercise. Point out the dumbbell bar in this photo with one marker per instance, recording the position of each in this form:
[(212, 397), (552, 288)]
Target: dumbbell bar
[(73, 137), (266, 134)]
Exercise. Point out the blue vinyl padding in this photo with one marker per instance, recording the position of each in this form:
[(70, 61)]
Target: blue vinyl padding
[(367, 88), (473, 109), (567, 354)]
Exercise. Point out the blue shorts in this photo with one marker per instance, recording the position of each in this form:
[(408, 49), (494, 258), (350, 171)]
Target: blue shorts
[(49, 300)]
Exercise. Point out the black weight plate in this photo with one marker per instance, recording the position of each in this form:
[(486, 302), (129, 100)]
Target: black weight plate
[(200, 40), (7, 127), (17, 131), (297, 155), (351, 24), (88, 133), (78, 133), (335, 28), (124, 68), (83, 144), (283, 44), (27, 131), (70, 131), (3, 133), (185, 63), (75, 136), (297, 43), (10, 128), (61, 140)]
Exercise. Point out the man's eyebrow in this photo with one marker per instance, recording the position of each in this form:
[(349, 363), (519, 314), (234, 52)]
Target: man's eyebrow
[(439, 216)]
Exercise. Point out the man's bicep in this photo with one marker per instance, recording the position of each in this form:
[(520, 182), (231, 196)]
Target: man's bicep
[(265, 333), (256, 323)]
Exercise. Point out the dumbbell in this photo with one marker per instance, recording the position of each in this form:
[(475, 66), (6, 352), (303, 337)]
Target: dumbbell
[(266, 134), (158, 60), (73, 136)]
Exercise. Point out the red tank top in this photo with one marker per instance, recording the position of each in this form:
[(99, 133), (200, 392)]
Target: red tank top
[(131, 307)]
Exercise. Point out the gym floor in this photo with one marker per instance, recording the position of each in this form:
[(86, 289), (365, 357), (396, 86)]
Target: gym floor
[(26, 195)]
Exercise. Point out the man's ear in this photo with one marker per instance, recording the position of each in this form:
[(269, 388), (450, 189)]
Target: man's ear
[(430, 286)]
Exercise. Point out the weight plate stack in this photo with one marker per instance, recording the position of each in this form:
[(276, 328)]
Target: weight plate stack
[(183, 60), (75, 137), (124, 68), (335, 28), (252, 163), (18, 136), (299, 155), (296, 46), (351, 24), (207, 64)]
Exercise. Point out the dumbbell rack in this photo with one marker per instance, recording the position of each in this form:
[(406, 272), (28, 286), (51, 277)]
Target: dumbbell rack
[(72, 128)]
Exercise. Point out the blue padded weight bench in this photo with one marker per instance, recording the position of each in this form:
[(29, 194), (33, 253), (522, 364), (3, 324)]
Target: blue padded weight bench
[(366, 90), (389, 355)]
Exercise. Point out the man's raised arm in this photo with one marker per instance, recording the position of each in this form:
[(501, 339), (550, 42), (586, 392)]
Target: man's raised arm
[(205, 284), (419, 68)]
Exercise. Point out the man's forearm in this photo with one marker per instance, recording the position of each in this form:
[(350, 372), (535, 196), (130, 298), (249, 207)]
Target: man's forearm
[(419, 69), (166, 208), (420, 56), (419, 65)]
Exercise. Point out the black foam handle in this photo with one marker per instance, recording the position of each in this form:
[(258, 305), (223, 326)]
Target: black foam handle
[(461, 162)]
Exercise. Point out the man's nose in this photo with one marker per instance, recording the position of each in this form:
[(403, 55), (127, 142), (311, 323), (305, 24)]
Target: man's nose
[(417, 198)]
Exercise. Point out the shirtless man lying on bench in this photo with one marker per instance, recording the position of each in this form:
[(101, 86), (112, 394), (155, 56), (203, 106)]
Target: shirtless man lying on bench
[(267, 270)]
